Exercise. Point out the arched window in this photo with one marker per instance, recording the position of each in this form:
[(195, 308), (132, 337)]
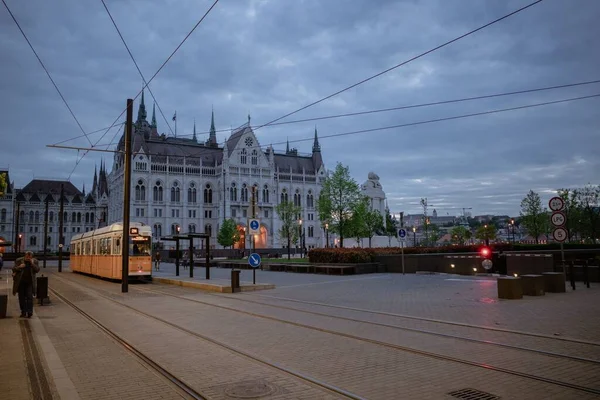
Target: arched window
[(175, 193), (66, 217), (310, 202), (192, 193), (3, 215), (22, 216), (78, 217), (140, 191), (157, 192), (92, 218), (157, 231), (51, 216), (243, 156), (33, 241), (73, 216), (48, 241), (37, 216), (174, 229), (207, 194), (191, 228), (265, 194), (31, 216), (284, 196), (311, 231), (87, 217), (233, 192), (244, 193), (254, 157), (297, 198), (208, 229)]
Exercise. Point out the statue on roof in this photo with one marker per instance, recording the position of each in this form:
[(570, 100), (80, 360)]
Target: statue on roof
[(373, 176)]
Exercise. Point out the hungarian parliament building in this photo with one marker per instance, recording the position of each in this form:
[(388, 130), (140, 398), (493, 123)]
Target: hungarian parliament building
[(178, 185)]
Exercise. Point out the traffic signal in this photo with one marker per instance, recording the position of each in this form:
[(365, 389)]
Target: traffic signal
[(485, 252)]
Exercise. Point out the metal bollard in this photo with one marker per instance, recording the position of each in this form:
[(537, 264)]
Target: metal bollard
[(42, 289), (235, 281)]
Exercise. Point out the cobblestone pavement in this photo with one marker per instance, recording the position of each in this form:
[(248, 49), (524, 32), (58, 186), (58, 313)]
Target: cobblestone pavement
[(371, 370)]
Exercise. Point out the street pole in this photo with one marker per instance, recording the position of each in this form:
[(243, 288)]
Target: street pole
[(191, 256), (18, 244), (126, 199), (61, 219), (207, 258), (253, 238), (46, 230), (177, 256), (402, 240)]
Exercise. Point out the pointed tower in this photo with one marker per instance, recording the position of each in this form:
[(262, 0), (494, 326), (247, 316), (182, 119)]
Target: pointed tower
[(316, 152), (83, 189), (195, 138), (141, 110), (287, 147), (95, 184), (153, 123), (212, 138)]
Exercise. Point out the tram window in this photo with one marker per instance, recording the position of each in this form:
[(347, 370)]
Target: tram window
[(108, 246), (86, 249), (139, 246), (117, 249)]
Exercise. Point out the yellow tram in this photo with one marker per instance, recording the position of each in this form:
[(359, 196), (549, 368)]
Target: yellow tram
[(98, 252)]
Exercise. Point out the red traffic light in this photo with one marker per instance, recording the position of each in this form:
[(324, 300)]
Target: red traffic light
[(485, 252)]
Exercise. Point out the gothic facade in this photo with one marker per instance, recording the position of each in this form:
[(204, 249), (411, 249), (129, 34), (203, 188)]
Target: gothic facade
[(186, 185)]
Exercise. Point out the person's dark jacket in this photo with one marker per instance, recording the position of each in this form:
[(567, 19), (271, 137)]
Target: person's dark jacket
[(18, 273)]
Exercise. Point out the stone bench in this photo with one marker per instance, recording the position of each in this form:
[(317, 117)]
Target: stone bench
[(533, 285), (510, 287), (554, 282)]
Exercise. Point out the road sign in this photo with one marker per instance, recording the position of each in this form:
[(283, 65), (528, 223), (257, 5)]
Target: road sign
[(402, 233), (556, 203), (254, 260), (487, 264), (254, 225), (558, 218), (560, 234)]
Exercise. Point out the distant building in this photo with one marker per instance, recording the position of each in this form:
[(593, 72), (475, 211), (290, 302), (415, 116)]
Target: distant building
[(374, 191)]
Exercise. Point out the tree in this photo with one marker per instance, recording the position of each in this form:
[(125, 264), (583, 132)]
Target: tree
[(3, 183), (373, 223), (589, 199), (459, 234), (432, 234), (390, 227), (339, 196), (288, 215), (486, 232), (533, 217), (228, 234), (357, 222)]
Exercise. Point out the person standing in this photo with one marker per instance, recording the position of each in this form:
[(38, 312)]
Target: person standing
[(24, 282), (157, 261)]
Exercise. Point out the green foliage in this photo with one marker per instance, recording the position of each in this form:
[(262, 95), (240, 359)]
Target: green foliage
[(486, 232), (533, 217), (340, 256), (288, 215), (3, 183), (588, 198), (228, 234), (432, 234), (339, 197), (460, 234)]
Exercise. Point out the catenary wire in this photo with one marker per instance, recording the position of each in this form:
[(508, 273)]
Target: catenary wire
[(429, 121), (148, 82), (435, 103), (403, 63), (47, 72), (136, 64)]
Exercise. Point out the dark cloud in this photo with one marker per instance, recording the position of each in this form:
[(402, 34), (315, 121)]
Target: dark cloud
[(267, 58)]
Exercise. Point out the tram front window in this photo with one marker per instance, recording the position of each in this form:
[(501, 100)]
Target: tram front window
[(139, 246)]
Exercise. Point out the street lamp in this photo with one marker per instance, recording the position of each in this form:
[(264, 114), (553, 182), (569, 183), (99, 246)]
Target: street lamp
[(19, 243), (326, 235), (414, 229), (512, 222), (300, 237), (487, 240)]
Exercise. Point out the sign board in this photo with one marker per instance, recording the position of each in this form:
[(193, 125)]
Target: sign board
[(560, 234), (556, 204), (402, 233), (254, 260), (254, 225), (487, 264), (558, 218)]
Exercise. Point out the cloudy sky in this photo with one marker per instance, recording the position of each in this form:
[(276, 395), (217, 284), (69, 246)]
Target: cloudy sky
[(267, 58)]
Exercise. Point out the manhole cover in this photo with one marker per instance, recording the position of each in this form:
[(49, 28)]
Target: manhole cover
[(473, 394), (249, 390)]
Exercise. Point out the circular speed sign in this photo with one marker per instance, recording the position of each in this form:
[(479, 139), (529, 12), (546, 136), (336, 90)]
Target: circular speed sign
[(556, 203)]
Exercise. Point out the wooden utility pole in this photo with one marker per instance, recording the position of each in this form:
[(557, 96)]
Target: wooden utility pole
[(126, 198), (61, 218), (46, 229)]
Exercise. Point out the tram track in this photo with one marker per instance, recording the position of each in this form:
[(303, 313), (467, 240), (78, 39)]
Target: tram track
[(173, 379), (432, 320), (437, 356)]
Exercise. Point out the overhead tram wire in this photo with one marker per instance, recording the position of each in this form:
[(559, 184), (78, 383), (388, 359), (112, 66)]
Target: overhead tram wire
[(149, 81), (429, 121), (136, 64), (47, 72), (403, 63), (436, 103), (89, 133)]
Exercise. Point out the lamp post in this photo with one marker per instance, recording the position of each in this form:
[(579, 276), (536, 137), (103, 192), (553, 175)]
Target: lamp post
[(414, 229), (487, 240), (512, 223), (300, 237), (19, 243), (326, 235)]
